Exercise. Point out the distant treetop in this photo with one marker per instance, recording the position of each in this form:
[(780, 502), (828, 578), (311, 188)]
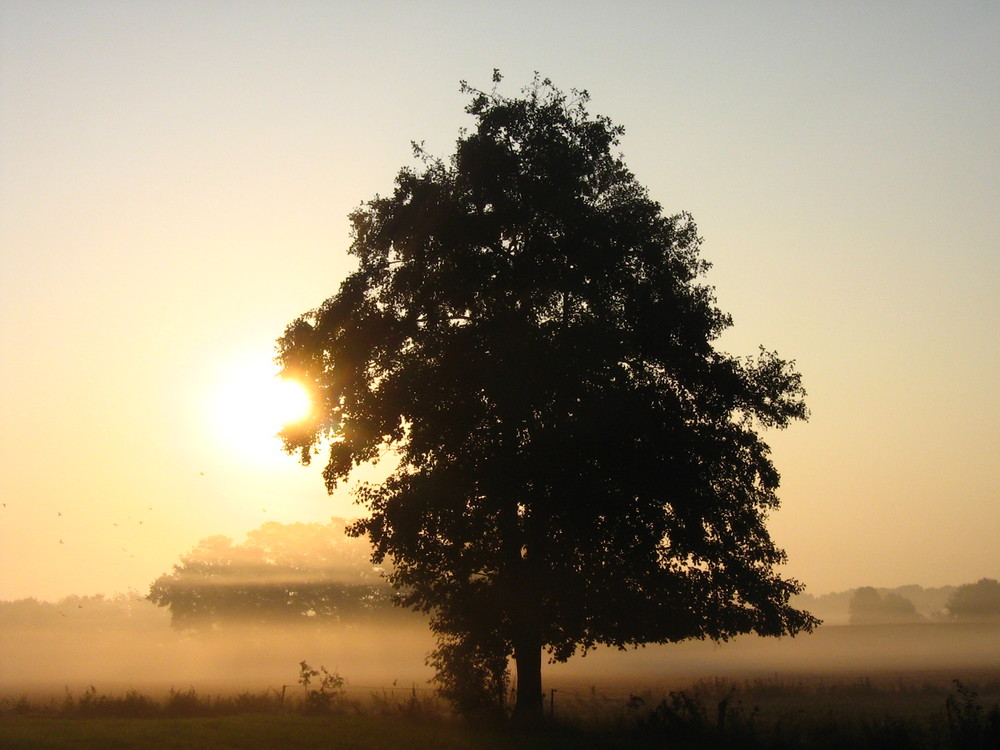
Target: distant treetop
[(976, 601), (300, 572)]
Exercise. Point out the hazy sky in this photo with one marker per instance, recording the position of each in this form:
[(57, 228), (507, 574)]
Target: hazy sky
[(174, 185)]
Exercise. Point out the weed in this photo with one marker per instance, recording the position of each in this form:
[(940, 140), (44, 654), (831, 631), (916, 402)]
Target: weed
[(970, 726), (131, 705), (185, 704), (330, 688), (21, 706), (681, 716)]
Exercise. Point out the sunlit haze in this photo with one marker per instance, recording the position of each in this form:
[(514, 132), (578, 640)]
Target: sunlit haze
[(250, 404), (175, 181)]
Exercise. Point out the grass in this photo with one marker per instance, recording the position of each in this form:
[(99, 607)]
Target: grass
[(284, 731), (242, 731), (768, 714)]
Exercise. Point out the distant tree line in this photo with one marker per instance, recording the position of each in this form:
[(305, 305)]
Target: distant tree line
[(282, 574), (314, 573), (911, 603), (128, 612)]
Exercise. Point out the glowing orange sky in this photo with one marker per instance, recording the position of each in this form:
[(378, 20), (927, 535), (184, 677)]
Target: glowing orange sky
[(175, 181)]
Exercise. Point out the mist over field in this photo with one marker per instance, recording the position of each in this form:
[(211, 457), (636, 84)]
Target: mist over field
[(143, 651), (126, 642), (235, 616)]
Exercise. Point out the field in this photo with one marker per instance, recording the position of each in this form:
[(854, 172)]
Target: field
[(915, 686)]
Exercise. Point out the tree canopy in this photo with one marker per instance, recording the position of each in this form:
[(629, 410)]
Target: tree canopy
[(529, 336)]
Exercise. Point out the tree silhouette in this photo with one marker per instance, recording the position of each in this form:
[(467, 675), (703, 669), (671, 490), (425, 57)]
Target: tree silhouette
[(526, 334), (976, 601), (869, 607)]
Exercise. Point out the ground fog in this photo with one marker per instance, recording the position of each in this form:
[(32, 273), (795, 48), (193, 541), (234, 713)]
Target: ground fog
[(67, 650)]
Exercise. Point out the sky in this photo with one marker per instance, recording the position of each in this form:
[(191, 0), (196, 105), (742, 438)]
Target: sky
[(175, 180)]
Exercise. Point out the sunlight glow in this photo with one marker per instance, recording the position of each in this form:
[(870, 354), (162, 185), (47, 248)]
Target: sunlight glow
[(251, 404)]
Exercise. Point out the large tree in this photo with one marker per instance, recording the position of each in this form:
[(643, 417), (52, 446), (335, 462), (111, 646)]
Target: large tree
[(528, 336)]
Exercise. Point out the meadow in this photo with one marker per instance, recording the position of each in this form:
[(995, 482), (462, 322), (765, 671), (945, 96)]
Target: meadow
[(923, 685)]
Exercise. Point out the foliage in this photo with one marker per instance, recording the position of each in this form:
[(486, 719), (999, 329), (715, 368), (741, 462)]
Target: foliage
[(576, 463), (976, 601), (282, 573)]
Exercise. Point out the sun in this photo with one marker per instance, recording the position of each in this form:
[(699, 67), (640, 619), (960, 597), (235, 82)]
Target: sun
[(250, 404), (283, 401)]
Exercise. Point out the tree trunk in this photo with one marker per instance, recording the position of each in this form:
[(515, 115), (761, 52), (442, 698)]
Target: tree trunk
[(528, 660)]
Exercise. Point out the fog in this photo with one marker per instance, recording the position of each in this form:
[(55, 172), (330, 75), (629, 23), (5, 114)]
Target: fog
[(49, 648), (236, 659), (834, 651), (241, 617)]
